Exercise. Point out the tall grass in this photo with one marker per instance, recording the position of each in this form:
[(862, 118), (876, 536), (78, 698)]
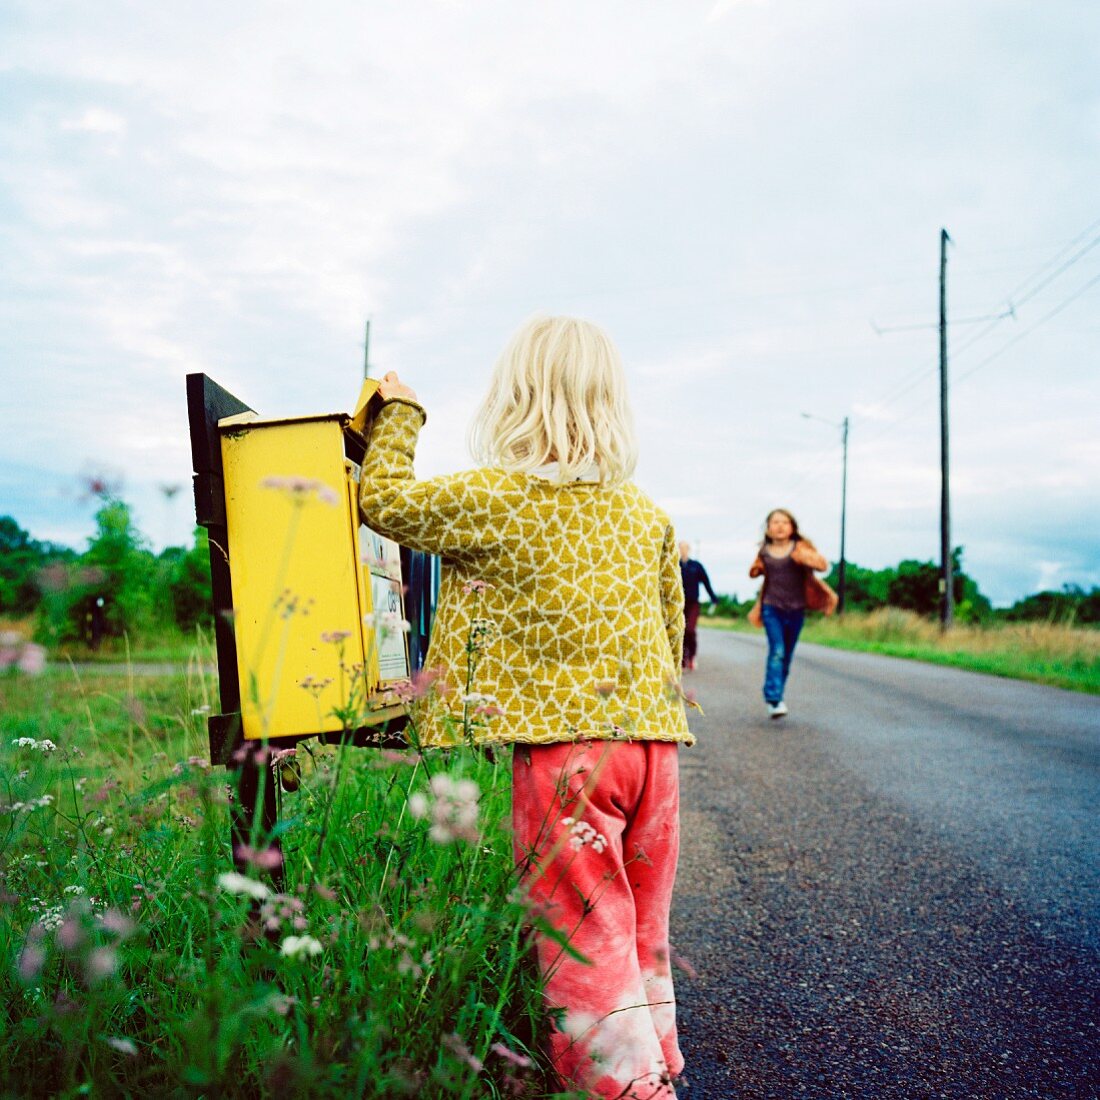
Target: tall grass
[(393, 965), (1048, 653)]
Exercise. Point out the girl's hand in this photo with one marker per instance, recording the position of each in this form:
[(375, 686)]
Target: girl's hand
[(391, 386)]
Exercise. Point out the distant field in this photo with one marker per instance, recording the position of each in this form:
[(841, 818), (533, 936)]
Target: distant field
[(1046, 653)]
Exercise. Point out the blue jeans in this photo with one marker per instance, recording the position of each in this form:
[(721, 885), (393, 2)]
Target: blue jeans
[(782, 628)]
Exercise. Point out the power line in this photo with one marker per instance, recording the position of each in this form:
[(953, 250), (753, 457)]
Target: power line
[(978, 366), (914, 378), (1027, 332)]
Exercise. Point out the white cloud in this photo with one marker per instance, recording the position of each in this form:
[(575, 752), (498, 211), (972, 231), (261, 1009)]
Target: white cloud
[(96, 120)]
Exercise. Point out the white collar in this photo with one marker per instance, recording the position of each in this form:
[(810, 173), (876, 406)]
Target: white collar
[(550, 472)]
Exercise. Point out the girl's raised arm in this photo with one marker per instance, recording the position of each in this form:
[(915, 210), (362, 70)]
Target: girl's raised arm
[(444, 515)]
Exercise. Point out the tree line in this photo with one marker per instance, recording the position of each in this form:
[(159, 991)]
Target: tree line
[(915, 586), (117, 586)]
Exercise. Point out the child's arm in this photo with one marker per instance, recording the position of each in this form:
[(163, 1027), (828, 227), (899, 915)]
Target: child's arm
[(672, 596), (805, 553), (441, 516), (707, 585), (757, 567)]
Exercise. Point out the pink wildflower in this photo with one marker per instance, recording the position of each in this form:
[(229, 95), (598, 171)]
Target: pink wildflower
[(300, 488), (476, 587), (263, 859), (335, 637), (31, 960), (605, 689), (520, 1060), (681, 963), (118, 924), (32, 661), (69, 934), (100, 964), (457, 1046)]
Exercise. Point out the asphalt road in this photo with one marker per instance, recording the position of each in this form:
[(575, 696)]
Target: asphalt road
[(895, 891)]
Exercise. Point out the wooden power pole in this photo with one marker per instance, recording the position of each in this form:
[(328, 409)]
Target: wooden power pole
[(947, 586)]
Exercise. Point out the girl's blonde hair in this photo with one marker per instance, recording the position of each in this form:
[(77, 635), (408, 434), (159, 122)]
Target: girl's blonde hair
[(558, 393)]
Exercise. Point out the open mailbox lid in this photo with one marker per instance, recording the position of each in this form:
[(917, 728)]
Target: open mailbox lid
[(309, 602)]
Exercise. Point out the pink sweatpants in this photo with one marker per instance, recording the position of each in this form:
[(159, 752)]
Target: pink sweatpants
[(597, 832)]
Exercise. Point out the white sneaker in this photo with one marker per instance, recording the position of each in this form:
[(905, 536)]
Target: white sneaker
[(777, 710)]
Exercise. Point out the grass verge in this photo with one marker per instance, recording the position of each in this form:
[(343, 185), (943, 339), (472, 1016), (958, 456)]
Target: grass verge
[(131, 963)]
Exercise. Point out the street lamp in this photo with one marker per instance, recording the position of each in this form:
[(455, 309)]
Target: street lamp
[(841, 569)]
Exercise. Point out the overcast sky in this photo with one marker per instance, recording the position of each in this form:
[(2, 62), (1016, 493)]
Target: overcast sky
[(741, 192)]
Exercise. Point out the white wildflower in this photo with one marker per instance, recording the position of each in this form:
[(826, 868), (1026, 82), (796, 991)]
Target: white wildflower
[(296, 947), (235, 883)]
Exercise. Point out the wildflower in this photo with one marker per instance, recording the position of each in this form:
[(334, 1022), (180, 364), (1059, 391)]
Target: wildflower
[(295, 947), (282, 909), (281, 1003), (605, 688), (70, 935), (482, 631), (100, 964), (33, 956), (388, 622), (335, 637), (301, 488), (235, 883), (479, 699), (204, 709), (116, 923), (313, 686), (452, 808), (681, 963), (476, 587), (582, 834), (455, 1043), (520, 1060), (31, 743), (102, 793), (32, 661), (123, 1046), (263, 859), (423, 683)]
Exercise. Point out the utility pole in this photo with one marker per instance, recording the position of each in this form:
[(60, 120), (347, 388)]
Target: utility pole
[(366, 352), (842, 567), (947, 586), (843, 518)]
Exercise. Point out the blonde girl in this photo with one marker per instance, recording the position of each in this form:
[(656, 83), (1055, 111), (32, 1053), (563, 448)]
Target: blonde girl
[(786, 561), (573, 576)]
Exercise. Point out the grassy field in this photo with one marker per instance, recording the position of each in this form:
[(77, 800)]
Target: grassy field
[(393, 964), (1046, 653)]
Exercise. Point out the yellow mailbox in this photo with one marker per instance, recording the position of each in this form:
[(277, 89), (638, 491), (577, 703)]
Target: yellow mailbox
[(310, 636)]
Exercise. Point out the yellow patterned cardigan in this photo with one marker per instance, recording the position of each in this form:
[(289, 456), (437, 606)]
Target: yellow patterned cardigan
[(580, 630)]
